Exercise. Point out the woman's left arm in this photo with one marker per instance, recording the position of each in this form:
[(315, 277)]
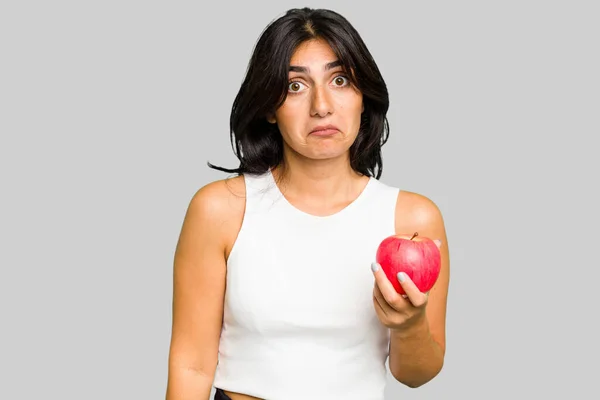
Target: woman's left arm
[(417, 322)]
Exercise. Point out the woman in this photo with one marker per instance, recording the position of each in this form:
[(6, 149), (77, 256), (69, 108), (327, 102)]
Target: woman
[(275, 293)]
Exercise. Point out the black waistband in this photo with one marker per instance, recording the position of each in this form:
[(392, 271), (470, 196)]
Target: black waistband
[(220, 395)]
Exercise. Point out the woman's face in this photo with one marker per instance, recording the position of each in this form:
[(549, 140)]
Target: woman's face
[(321, 115)]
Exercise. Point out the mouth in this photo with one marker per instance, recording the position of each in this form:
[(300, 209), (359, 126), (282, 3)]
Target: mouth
[(324, 130)]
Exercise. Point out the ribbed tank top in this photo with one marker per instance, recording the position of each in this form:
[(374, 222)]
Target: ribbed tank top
[(299, 321)]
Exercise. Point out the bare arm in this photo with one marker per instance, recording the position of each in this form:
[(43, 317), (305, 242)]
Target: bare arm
[(417, 354), (199, 274)]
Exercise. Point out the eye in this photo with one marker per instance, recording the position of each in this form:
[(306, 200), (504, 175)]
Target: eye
[(340, 80), (295, 86)]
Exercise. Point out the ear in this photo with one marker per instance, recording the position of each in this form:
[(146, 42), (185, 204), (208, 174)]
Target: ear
[(271, 118)]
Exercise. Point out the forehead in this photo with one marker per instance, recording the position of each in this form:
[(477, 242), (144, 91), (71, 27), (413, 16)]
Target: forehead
[(315, 52)]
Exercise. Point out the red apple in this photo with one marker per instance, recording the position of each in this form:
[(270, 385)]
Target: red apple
[(418, 257)]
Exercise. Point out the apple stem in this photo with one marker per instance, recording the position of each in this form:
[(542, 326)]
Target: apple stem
[(414, 235)]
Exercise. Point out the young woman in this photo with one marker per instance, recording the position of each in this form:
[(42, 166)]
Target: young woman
[(276, 295)]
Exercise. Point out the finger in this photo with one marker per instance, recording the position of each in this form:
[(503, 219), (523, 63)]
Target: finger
[(380, 307), (379, 311), (386, 288), (416, 297), (383, 304)]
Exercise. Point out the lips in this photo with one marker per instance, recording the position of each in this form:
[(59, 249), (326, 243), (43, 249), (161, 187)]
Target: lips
[(323, 130)]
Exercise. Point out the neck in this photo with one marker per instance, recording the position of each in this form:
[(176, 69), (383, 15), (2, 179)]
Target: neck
[(318, 181)]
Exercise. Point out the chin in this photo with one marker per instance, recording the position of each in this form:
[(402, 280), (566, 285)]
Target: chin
[(321, 149)]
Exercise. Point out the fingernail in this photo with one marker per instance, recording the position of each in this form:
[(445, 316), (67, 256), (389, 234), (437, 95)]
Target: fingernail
[(438, 242), (401, 276), (374, 266)]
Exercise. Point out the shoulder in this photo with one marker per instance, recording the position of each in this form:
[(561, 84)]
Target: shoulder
[(416, 212), (218, 198), (219, 205)]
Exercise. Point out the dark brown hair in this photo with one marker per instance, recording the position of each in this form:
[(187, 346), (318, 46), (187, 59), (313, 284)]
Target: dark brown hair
[(258, 144)]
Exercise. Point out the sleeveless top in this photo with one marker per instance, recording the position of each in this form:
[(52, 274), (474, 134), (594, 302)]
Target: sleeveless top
[(299, 321)]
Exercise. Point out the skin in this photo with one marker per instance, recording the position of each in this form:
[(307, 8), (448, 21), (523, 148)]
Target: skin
[(317, 168), (317, 179)]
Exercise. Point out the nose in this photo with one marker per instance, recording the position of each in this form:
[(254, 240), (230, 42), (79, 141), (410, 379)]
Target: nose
[(321, 102)]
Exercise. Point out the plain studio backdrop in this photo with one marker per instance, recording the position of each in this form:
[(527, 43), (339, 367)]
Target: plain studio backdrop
[(109, 111)]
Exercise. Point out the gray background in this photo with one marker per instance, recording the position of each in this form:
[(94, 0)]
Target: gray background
[(109, 111)]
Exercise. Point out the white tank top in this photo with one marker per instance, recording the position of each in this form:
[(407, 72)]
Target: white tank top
[(299, 321)]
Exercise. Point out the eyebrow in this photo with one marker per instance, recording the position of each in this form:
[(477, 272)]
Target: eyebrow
[(328, 66)]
